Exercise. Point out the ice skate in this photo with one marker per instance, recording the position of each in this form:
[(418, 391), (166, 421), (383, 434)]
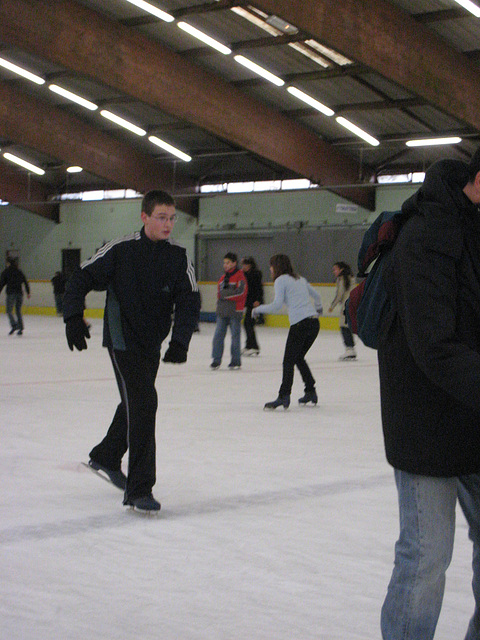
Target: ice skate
[(350, 354), (117, 478), (215, 365), (250, 352), (144, 504), (281, 401), (310, 396)]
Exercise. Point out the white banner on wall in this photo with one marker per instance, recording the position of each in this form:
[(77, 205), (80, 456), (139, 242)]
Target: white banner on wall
[(346, 208)]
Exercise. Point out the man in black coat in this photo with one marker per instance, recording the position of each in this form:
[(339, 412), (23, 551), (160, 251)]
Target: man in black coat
[(147, 277), (13, 278), (429, 362)]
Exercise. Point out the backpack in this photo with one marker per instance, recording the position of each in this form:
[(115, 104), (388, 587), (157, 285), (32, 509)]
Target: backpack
[(368, 303)]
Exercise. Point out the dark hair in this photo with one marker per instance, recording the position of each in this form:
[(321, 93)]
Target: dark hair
[(474, 165), (281, 265), (230, 256), (250, 261), (152, 198), (345, 272)]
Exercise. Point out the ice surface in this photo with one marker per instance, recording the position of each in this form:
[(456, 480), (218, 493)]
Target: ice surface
[(274, 525)]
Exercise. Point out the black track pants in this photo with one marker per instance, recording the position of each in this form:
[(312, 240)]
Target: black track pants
[(133, 425)]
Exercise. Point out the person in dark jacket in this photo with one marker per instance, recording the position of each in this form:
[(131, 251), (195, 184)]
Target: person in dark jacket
[(429, 363), (254, 295), (58, 282), (13, 278), (147, 278)]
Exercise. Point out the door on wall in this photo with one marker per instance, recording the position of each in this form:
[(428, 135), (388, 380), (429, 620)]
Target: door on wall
[(70, 261)]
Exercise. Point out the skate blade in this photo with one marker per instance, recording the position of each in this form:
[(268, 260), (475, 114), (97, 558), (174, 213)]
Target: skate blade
[(145, 513), (98, 472)]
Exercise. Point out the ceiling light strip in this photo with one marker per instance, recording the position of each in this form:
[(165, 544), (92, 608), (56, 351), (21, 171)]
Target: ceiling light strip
[(73, 97), (470, 6), (21, 72), (168, 147), (211, 42), (304, 97), (23, 163), (256, 68), (154, 11), (357, 131), (123, 123), (430, 142)]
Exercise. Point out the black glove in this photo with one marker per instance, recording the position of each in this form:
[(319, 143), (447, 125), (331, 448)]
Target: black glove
[(176, 353), (76, 331)]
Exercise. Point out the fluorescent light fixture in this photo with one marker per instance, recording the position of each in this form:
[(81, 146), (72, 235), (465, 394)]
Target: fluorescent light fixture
[(469, 6), (310, 101), (73, 97), (21, 72), (204, 38), (155, 11), (296, 183), (123, 123), (23, 163), (357, 131), (168, 147), (253, 66), (74, 169), (329, 53), (432, 142)]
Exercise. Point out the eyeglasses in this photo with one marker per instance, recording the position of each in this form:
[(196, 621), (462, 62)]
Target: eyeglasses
[(165, 219)]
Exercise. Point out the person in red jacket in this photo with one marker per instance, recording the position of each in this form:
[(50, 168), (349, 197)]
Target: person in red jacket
[(231, 296)]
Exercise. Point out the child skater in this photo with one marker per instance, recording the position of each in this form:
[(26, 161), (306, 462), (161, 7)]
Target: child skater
[(296, 293), (344, 277)]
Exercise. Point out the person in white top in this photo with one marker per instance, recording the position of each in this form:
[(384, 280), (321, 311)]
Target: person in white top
[(296, 293), (345, 281)]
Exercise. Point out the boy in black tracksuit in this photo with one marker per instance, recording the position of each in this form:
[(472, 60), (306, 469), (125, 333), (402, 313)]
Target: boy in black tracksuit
[(146, 277)]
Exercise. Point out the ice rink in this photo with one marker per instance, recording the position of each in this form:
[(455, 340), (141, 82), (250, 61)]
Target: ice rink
[(274, 525)]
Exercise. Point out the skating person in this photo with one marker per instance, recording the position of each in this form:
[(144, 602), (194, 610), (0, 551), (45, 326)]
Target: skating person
[(146, 277), (231, 296), (254, 297), (344, 280), (58, 282), (13, 278), (429, 364), (296, 293)]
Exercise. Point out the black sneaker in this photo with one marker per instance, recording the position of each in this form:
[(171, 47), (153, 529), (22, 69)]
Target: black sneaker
[(118, 478), (12, 331), (145, 504)]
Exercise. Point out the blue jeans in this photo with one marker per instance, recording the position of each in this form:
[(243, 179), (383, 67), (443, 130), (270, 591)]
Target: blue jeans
[(219, 339), (423, 553), (15, 300)]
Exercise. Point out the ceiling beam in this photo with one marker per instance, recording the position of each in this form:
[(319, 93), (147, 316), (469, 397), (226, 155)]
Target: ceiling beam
[(27, 120), (87, 42), (381, 36), (20, 189)]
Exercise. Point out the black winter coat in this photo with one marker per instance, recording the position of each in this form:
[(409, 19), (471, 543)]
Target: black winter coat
[(13, 277), (145, 282), (255, 287), (429, 350)]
